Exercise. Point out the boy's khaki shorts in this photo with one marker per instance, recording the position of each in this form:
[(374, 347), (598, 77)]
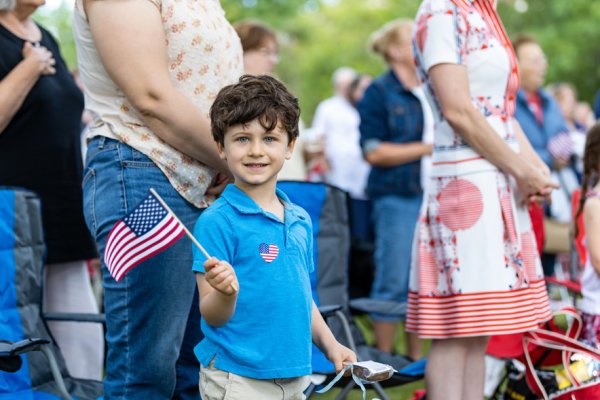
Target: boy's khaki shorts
[(220, 385)]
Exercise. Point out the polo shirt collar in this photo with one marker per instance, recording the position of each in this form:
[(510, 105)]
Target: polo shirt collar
[(245, 205)]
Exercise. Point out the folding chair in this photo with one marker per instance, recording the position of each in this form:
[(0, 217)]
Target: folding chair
[(328, 209), (30, 368)]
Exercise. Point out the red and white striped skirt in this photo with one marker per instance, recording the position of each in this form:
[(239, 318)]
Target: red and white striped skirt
[(475, 265)]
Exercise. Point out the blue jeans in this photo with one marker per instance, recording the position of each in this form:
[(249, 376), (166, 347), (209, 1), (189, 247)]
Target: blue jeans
[(394, 219), (150, 312)]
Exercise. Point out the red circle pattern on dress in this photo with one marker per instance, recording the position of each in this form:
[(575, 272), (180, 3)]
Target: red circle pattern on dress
[(461, 204)]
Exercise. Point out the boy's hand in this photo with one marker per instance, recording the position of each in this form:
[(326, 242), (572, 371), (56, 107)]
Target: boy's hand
[(221, 276), (340, 356)]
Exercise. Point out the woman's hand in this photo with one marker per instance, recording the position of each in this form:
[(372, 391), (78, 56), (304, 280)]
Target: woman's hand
[(221, 276), (534, 183), (15, 87), (41, 57)]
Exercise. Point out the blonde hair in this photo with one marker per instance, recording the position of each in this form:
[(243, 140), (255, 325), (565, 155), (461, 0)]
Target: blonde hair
[(7, 5), (395, 31)]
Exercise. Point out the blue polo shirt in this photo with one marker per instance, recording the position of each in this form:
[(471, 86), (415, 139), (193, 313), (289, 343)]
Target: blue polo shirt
[(269, 335)]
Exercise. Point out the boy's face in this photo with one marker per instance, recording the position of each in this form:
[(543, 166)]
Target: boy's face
[(253, 155)]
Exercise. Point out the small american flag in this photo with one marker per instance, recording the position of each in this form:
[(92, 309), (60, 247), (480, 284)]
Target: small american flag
[(268, 252), (147, 230), (561, 146)]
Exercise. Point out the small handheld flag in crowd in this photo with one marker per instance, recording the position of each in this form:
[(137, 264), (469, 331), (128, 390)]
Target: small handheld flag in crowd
[(148, 229)]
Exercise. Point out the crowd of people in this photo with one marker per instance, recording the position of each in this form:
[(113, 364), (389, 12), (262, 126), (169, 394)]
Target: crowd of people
[(460, 165)]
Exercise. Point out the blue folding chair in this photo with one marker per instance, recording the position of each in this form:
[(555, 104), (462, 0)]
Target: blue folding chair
[(31, 366), (328, 208)]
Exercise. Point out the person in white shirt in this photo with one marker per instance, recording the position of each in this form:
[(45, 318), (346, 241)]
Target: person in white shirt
[(336, 122)]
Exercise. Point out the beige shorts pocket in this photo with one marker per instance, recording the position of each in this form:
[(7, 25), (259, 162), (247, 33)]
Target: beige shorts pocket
[(214, 383)]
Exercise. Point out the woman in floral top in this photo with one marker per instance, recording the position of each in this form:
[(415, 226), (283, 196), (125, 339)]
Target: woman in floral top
[(476, 270), (151, 69)]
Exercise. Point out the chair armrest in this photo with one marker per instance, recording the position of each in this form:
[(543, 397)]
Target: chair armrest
[(9, 349), (57, 316), (11, 362), (329, 311), (9, 352), (367, 305)]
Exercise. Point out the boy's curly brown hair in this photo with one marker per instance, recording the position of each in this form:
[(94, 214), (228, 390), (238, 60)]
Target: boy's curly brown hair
[(255, 97)]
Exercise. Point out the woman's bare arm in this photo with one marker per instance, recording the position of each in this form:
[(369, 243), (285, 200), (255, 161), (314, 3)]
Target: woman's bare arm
[(389, 154), (131, 43), (451, 85)]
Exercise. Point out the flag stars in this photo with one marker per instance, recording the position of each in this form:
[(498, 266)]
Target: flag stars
[(146, 216)]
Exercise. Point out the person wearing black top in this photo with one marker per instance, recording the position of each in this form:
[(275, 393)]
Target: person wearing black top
[(40, 150)]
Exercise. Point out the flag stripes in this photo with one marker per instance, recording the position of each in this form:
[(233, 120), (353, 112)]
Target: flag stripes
[(144, 232), (268, 252)]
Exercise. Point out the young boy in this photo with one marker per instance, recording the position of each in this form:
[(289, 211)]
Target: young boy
[(258, 316)]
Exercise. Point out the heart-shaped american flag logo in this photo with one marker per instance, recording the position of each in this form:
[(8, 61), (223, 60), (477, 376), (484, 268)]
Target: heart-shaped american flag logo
[(268, 252)]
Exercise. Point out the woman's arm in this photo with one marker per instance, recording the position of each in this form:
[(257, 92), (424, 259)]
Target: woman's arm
[(591, 223), (527, 151), (451, 85), (15, 87), (131, 43), (374, 127), (389, 154)]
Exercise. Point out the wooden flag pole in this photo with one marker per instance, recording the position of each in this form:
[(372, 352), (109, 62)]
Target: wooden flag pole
[(198, 245), (184, 227)]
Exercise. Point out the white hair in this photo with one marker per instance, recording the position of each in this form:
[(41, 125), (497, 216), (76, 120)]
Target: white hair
[(7, 5), (342, 78)]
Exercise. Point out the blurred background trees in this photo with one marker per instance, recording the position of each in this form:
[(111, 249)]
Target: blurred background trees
[(317, 36)]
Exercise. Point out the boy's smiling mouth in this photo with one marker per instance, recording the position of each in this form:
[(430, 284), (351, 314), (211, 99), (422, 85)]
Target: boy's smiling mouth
[(255, 165)]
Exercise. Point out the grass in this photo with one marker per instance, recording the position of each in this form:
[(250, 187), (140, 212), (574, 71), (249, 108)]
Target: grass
[(403, 392)]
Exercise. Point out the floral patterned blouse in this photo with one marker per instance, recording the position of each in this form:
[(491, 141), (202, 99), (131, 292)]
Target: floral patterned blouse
[(204, 53)]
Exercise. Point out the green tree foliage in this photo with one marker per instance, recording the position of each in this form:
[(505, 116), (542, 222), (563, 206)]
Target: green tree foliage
[(323, 36), (276, 12), (317, 36), (58, 22), (568, 32)]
